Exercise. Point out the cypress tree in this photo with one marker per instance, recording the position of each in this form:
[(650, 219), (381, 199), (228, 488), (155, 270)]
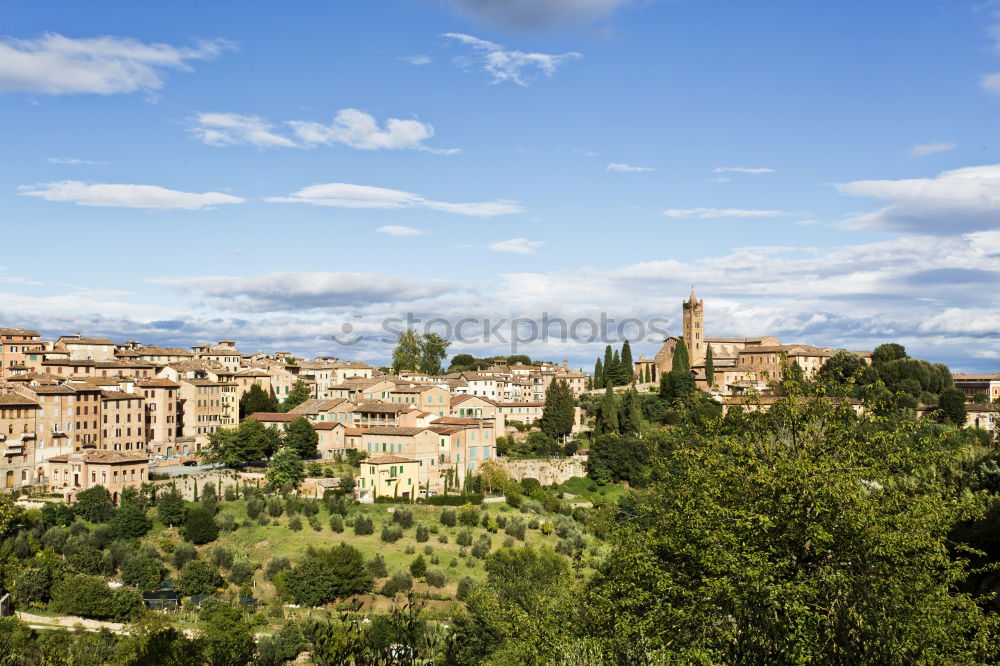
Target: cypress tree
[(615, 377), (709, 367), (598, 374), (608, 417), (628, 367), (680, 360), (609, 367), (631, 420), (649, 374)]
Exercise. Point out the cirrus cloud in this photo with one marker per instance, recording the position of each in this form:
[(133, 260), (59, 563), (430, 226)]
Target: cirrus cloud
[(627, 168), (345, 195), (517, 246), (58, 65), (116, 195), (706, 213), (514, 66)]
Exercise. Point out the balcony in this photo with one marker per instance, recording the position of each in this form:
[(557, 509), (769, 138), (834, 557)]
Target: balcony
[(27, 435)]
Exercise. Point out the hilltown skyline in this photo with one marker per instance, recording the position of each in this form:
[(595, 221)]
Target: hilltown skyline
[(210, 174)]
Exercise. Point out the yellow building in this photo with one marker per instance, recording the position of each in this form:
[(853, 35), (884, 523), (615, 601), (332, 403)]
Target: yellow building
[(389, 476)]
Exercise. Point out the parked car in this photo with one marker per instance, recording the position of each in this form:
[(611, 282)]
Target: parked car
[(190, 463)]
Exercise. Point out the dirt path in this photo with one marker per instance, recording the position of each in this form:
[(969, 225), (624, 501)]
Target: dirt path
[(68, 622)]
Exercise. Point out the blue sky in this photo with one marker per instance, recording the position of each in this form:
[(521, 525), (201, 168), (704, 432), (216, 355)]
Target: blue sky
[(186, 172)]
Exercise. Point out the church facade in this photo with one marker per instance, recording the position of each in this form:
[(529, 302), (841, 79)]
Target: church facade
[(739, 363)]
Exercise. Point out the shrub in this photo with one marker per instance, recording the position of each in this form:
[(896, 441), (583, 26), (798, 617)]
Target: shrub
[(295, 524), (376, 566), (183, 553), (482, 546), (227, 523), (453, 563), (443, 538), (448, 517), (363, 525), (241, 573), (336, 504), (435, 578), (130, 522), (418, 567), (403, 517), (230, 493), (515, 528), (464, 538), (508, 542), (468, 515), (434, 528), (293, 506), (58, 513), (255, 507), (142, 572), (86, 559), (533, 524), (400, 583), (465, 586), (410, 549), (454, 500), (531, 506), (274, 507), (501, 521), (314, 523), (310, 507), (391, 533), (336, 523), (55, 538), (200, 526), (222, 557), (276, 566), (428, 550), (422, 533), (546, 528)]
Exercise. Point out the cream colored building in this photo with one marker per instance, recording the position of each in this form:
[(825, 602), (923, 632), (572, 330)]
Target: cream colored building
[(69, 474), (389, 476)]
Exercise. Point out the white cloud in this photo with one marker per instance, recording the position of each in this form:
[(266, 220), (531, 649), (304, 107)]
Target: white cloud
[(345, 195), (74, 161), (513, 66), (991, 83), (584, 153), (754, 171), (721, 179), (535, 14), (720, 212), (517, 246), (394, 230), (126, 196), (955, 201), (290, 291), (358, 129), (417, 60), (57, 65), (627, 168), (922, 149), (350, 127), (230, 129)]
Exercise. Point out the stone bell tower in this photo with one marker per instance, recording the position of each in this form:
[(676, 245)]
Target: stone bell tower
[(694, 329)]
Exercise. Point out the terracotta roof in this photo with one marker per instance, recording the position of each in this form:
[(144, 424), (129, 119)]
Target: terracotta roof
[(982, 407), (354, 432), (72, 339), (446, 430), (52, 389), (327, 425), (19, 331), (455, 420), (16, 399), (278, 417), (387, 460), (317, 405), (393, 430), (158, 382), (106, 457), (119, 395), (381, 407), (463, 398), (964, 377)]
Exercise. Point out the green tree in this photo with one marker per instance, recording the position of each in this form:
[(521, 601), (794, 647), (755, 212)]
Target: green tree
[(709, 366), (832, 548), (255, 399), (224, 448), (886, 353), (255, 441), (560, 407), (83, 595), (301, 437), (296, 396), (9, 513), (844, 367), (284, 468), (609, 367), (170, 507), (326, 574), (151, 639), (130, 522), (418, 567), (598, 375), (680, 362), (627, 365), (406, 354), (95, 504), (53, 513), (200, 526), (198, 577), (952, 406), (433, 350), (607, 412), (617, 374), (630, 422), (227, 634)]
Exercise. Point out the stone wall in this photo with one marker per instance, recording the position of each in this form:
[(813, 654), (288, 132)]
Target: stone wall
[(546, 470)]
